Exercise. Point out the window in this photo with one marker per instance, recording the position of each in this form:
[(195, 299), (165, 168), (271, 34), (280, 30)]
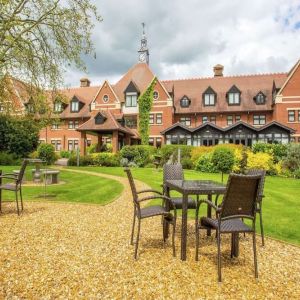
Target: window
[(204, 119), (234, 98), (74, 106), (131, 121), (72, 145), (71, 125), (57, 106), (151, 141), (291, 116), (151, 118), (213, 119), (131, 100), (105, 98), (155, 95), (158, 142), (185, 102), (259, 120), (260, 98), (209, 99), (229, 120), (185, 120), (237, 118), (76, 124), (88, 142), (56, 144), (298, 115), (55, 126), (158, 118)]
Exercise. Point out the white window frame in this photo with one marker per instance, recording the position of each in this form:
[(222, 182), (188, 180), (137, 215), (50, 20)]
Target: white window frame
[(209, 99), (129, 100)]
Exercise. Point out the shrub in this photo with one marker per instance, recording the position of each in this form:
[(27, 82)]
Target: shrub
[(86, 160), (223, 160), (47, 152), (167, 150), (65, 154), (105, 159), (9, 159), (292, 160), (141, 155), (199, 151), (260, 160), (187, 163), (204, 164), (278, 151), (296, 173), (91, 149)]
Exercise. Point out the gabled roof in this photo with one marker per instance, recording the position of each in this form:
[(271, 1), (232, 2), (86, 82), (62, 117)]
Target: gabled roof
[(109, 124), (249, 85), (140, 74), (176, 125), (240, 123), (275, 123), (210, 124), (100, 88)]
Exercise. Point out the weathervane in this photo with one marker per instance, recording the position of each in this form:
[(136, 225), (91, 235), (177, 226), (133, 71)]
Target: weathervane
[(143, 24)]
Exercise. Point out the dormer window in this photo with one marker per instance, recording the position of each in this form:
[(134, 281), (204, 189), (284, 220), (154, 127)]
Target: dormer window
[(131, 100), (99, 119), (74, 106), (185, 101), (57, 106), (260, 98), (234, 96), (209, 97)]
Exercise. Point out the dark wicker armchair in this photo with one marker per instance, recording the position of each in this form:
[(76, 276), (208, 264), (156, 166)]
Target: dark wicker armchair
[(239, 202), (175, 172), (150, 211), (261, 173), (14, 184)]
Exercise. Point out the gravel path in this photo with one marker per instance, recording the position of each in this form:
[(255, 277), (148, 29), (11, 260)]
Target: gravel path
[(77, 251)]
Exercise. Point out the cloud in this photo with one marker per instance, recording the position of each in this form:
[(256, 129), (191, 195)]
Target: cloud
[(187, 38)]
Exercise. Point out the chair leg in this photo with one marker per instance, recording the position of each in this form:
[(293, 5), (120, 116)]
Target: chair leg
[(254, 254), (219, 256), (17, 202), (261, 227), (197, 243), (173, 237), (21, 198), (132, 230), (137, 239)]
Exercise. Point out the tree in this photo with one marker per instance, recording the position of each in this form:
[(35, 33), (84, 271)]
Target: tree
[(40, 38), (19, 136), (223, 160)]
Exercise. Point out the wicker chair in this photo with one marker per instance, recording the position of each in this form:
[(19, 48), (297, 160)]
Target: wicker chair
[(15, 185), (261, 173), (150, 211), (175, 172), (239, 202)]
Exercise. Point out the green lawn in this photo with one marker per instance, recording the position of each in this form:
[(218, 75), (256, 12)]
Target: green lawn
[(280, 208), (79, 188)]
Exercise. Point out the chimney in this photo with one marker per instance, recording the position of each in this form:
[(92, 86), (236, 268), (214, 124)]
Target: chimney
[(218, 70), (84, 82)]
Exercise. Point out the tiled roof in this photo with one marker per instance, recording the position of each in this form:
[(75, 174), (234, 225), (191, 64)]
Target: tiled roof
[(109, 124), (226, 129), (140, 74), (249, 85)]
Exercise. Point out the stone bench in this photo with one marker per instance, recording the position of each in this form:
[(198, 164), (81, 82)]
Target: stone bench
[(51, 176)]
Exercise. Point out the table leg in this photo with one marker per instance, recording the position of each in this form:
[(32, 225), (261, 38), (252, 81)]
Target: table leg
[(166, 224), (184, 227), (235, 244), (209, 214)]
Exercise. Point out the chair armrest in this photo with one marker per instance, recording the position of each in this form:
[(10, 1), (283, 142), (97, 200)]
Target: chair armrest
[(165, 198), (209, 203), (149, 191)]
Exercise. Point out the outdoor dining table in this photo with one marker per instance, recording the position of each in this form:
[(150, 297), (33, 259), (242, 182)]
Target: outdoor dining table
[(196, 187)]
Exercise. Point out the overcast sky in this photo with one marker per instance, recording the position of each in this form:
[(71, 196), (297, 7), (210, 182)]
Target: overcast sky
[(187, 38)]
